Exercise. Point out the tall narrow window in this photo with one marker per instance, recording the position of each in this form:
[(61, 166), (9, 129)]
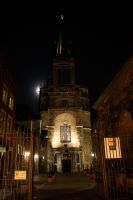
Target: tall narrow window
[(9, 125), (11, 102), (64, 102), (77, 158), (5, 94), (2, 122), (65, 133), (64, 76)]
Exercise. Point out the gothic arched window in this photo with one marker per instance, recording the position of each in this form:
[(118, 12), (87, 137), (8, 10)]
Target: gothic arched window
[(65, 133)]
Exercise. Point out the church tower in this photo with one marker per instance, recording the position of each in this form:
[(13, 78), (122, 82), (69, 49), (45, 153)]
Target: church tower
[(65, 115)]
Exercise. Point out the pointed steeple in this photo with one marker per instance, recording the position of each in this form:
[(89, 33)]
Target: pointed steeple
[(63, 62), (62, 46)]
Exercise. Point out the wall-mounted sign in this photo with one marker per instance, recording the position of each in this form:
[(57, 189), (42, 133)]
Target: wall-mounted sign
[(2, 149), (20, 175), (112, 147)]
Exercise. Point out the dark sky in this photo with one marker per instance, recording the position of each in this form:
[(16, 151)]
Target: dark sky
[(101, 36)]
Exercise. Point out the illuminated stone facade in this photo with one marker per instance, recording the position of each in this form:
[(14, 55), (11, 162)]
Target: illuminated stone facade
[(65, 115), (68, 107), (78, 150)]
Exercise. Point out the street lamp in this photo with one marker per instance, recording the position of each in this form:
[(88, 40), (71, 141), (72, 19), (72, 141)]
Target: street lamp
[(26, 154), (36, 157), (92, 154)]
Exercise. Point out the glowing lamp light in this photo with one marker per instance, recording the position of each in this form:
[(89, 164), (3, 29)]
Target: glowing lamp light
[(26, 154), (92, 154), (36, 156)]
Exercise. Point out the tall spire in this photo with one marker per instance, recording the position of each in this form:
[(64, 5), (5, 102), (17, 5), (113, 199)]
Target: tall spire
[(62, 47)]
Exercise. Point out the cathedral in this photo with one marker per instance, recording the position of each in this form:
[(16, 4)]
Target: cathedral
[(65, 115)]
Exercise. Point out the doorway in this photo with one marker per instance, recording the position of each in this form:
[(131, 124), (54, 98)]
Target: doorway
[(66, 165)]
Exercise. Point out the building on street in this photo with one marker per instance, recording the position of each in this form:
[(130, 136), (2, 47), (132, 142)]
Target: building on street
[(7, 118), (113, 134), (65, 114)]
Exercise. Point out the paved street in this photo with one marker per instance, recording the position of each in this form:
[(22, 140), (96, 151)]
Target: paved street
[(64, 187)]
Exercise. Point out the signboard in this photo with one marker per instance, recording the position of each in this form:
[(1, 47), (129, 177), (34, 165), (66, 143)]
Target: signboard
[(2, 149), (20, 175), (112, 147)]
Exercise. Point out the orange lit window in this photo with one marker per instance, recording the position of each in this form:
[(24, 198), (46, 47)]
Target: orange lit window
[(11, 102), (5, 94)]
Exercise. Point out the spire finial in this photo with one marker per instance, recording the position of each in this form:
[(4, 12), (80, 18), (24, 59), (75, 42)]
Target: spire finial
[(62, 16), (62, 46)]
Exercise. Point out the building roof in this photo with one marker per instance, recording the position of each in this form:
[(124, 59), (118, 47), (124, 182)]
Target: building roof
[(114, 82)]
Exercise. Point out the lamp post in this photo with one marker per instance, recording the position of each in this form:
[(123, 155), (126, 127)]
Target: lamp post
[(36, 160), (31, 163)]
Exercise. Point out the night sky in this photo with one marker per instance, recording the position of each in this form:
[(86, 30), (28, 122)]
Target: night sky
[(101, 41)]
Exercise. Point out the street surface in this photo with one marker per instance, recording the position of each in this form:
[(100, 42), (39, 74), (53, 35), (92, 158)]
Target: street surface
[(64, 187)]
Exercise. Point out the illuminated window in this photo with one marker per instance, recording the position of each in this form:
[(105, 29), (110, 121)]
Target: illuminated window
[(112, 143), (65, 133), (11, 102), (5, 94)]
